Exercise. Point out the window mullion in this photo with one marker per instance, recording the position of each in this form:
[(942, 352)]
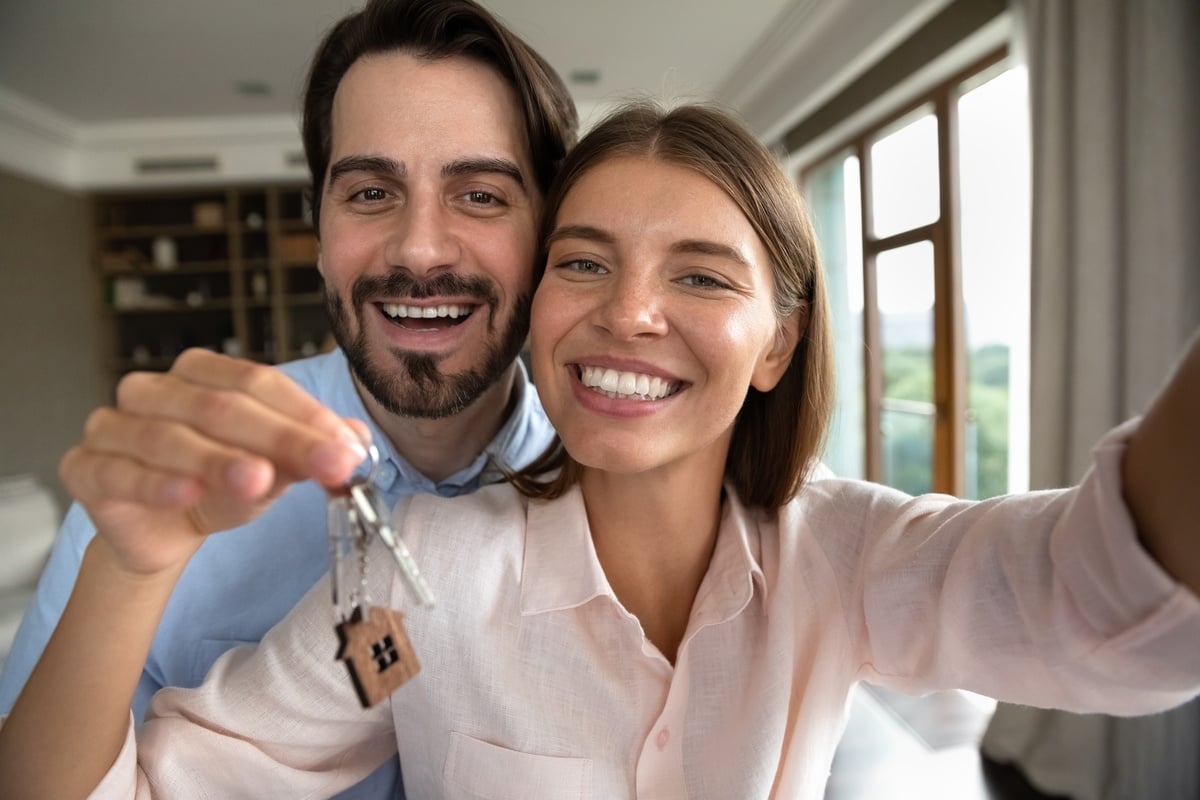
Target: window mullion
[(950, 384), (872, 358)]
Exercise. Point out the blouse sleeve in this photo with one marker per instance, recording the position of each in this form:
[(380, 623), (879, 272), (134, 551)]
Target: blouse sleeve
[(1044, 598), (282, 714)]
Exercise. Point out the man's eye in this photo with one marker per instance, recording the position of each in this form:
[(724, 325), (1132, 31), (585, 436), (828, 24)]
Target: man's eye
[(482, 198), (370, 195)]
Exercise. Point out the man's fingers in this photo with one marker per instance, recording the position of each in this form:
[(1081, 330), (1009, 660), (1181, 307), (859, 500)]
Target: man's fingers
[(241, 420), (94, 477), (166, 446), (266, 384)]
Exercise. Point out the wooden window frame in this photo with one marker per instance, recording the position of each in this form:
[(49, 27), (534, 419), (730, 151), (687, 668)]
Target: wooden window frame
[(949, 346)]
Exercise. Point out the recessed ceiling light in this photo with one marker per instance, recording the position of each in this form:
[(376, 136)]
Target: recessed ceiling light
[(585, 77), (253, 88)]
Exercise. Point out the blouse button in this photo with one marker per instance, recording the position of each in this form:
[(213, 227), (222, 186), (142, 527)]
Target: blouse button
[(663, 737)]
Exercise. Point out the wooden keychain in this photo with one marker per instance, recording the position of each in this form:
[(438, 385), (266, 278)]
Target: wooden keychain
[(372, 639)]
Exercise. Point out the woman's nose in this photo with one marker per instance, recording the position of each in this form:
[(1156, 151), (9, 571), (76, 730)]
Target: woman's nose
[(633, 306)]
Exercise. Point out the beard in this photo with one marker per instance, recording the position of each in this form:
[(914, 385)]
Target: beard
[(412, 384)]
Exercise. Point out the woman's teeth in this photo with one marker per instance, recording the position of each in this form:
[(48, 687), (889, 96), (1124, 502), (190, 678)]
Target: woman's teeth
[(626, 385), (397, 311)]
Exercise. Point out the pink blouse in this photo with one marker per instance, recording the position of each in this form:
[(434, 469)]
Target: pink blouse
[(536, 683)]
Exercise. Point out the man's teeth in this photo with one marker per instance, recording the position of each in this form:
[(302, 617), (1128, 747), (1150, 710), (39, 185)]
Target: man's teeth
[(397, 311), (625, 384)]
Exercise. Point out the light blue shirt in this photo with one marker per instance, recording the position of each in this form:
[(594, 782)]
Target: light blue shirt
[(240, 583)]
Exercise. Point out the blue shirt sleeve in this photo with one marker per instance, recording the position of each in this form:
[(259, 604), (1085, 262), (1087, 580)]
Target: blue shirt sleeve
[(46, 607)]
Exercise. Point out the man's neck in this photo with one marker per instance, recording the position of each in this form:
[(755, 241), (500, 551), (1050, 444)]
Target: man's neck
[(438, 448)]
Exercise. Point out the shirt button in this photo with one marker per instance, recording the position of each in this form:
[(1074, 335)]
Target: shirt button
[(385, 477), (663, 737)]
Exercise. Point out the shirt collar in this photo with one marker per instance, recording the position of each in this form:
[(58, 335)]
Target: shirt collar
[(562, 570), (735, 569), (522, 437)]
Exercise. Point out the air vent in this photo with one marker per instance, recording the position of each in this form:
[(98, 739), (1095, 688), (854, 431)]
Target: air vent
[(188, 164), (295, 159)]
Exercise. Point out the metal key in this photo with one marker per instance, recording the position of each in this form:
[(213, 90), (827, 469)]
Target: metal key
[(373, 516)]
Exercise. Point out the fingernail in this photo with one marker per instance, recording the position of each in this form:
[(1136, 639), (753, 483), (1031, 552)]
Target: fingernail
[(355, 443)]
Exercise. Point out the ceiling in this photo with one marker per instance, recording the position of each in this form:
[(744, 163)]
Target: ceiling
[(119, 61), (94, 92)]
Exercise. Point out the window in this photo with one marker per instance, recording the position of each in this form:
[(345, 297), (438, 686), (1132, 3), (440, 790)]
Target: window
[(923, 222)]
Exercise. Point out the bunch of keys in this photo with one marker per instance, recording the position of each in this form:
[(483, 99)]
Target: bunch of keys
[(373, 642)]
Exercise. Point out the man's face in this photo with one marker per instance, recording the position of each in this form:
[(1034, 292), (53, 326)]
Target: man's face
[(428, 230)]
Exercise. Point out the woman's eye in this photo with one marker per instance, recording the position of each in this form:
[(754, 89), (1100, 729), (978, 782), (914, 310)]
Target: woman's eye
[(583, 266), (704, 282)]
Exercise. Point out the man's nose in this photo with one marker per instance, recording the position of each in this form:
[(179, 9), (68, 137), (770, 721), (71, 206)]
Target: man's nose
[(424, 240)]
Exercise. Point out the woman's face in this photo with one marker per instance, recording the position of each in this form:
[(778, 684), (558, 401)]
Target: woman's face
[(653, 318)]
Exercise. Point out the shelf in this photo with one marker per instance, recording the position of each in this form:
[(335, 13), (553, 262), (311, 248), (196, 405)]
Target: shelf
[(309, 298), (178, 307), (248, 250), (148, 270), (154, 231)]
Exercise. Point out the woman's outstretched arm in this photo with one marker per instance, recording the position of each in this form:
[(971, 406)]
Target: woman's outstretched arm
[(1161, 473)]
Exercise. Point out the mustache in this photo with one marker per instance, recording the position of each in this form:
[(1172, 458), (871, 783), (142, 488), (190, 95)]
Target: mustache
[(403, 285)]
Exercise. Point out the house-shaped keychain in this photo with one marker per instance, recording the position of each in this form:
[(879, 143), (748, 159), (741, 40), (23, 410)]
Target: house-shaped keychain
[(377, 652)]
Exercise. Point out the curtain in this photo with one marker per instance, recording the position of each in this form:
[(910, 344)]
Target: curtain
[(1116, 294)]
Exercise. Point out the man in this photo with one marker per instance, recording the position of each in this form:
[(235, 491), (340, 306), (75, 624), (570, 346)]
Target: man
[(432, 133)]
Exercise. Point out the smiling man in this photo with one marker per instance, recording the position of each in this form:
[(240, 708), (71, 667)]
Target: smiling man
[(431, 133)]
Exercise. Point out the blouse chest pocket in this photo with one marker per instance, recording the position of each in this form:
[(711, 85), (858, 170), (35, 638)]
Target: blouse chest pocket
[(476, 769)]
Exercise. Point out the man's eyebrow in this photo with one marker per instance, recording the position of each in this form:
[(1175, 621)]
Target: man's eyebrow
[(380, 165), (580, 232), (709, 248), (475, 166)]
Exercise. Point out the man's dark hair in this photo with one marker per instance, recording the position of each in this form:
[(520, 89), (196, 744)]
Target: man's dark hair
[(434, 29)]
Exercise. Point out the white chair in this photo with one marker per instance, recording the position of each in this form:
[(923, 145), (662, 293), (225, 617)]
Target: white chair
[(29, 520)]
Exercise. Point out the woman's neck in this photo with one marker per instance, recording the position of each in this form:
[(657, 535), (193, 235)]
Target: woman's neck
[(654, 536)]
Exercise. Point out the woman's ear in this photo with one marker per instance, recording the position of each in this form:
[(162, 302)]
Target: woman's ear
[(775, 361)]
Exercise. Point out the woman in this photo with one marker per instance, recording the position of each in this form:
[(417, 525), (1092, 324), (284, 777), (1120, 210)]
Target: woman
[(664, 607)]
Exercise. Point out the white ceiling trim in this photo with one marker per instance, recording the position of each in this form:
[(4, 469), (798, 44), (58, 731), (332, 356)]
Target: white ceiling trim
[(46, 146), (994, 34), (830, 46), (35, 141)]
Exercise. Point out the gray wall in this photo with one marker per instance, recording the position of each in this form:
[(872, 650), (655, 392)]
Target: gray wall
[(54, 338)]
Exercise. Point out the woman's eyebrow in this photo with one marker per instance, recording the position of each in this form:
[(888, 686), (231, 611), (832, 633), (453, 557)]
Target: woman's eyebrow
[(379, 165), (588, 232), (710, 248)]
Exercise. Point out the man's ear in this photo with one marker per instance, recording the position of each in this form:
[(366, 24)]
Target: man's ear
[(775, 361), (320, 266)]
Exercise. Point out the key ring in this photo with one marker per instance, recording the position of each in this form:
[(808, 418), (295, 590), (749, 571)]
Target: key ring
[(371, 515), (373, 457)]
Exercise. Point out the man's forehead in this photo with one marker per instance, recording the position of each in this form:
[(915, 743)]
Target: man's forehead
[(446, 109)]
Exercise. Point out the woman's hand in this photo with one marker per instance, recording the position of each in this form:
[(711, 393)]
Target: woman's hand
[(201, 448)]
